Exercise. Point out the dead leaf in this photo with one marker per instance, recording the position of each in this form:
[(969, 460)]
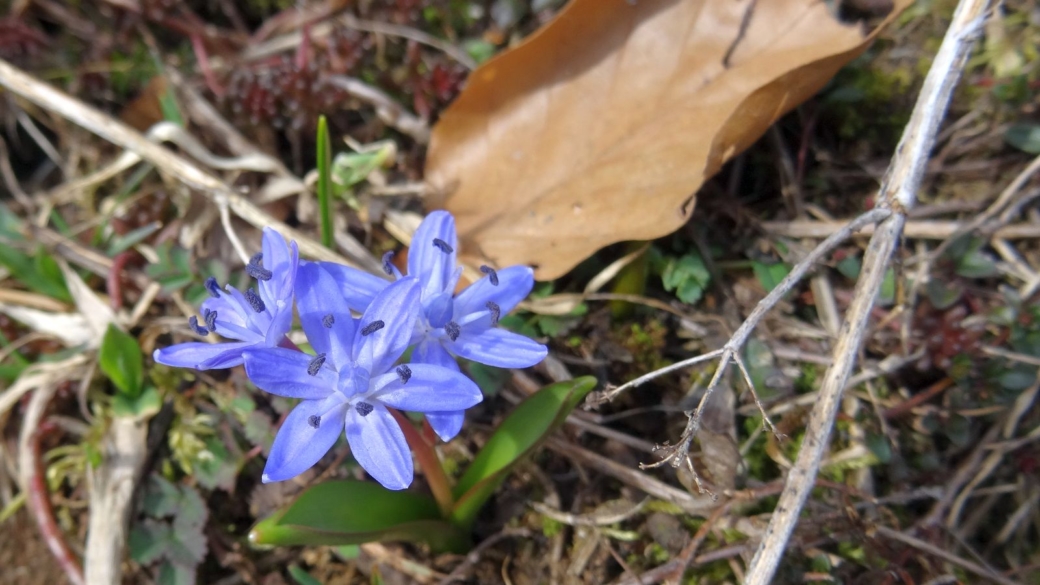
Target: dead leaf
[(602, 126)]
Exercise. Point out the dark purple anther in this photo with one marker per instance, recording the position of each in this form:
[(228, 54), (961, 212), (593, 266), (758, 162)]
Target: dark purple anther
[(315, 365), (492, 275), (364, 408), (496, 311), (256, 269), (443, 246), (255, 301), (387, 267), (453, 330), (328, 320), (314, 420), (193, 322), (211, 320), (212, 287), (372, 328), (258, 272), (405, 373)]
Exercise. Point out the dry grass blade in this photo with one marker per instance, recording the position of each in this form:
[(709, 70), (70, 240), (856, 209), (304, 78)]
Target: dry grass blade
[(122, 135), (552, 146)]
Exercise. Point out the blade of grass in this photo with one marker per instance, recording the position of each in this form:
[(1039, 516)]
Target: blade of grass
[(324, 184)]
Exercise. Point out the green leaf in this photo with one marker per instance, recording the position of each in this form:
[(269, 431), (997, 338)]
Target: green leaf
[(122, 362), (173, 269), (770, 275), (39, 273), (518, 436), (144, 405), (687, 276), (351, 168), (353, 512), (324, 184), (479, 49), (302, 577), (174, 574), (1025, 137)]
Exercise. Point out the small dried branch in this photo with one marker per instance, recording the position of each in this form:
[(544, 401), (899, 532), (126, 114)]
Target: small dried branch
[(917, 230), (898, 194), (678, 454), (111, 487), (944, 555), (42, 94)]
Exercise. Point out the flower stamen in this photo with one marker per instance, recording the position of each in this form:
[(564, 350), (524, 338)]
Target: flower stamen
[(193, 322), (443, 246), (255, 301), (387, 267), (364, 408), (453, 330), (315, 365), (404, 373), (496, 311), (372, 328), (491, 274), (314, 420), (213, 287), (328, 320), (211, 320)]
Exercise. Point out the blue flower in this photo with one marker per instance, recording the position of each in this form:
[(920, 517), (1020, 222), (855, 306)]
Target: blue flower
[(252, 319), (352, 381), (449, 325)]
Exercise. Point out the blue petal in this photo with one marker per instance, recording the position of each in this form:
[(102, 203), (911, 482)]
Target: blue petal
[(430, 351), (430, 264), (227, 309), (282, 261), (284, 372), (514, 284), (446, 424), (438, 309), (499, 348), (378, 445), (317, 296), (281, 323), (201, 356), (398, 308), (298, 444), (428, 389), (357, 288)]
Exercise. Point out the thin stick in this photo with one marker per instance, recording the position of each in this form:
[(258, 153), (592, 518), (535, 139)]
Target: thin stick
[(26, 86), (917, 230), (742, 334), (898, 193), (944, 555)]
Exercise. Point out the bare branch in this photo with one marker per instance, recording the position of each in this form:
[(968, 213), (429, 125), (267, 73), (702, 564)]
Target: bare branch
[(898, 193)]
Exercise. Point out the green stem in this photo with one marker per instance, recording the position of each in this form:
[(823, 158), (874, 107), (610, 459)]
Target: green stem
[(430, 464), (324, 182)]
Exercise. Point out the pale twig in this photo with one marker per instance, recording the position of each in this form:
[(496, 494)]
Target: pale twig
[(292, 40), (694, 505), (111, 485), (942, 554), (920, 230), (898, 193), (389, 111), (995, 209), (678, 453), (122, 135)]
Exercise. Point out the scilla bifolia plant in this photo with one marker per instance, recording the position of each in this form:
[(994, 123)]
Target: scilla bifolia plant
[(355, 384)]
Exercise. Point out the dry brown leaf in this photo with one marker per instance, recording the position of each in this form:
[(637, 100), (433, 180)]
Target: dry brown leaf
[(602, 126)]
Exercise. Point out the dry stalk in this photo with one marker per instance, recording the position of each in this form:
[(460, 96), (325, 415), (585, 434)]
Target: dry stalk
[(42, 94), (898, 194)]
